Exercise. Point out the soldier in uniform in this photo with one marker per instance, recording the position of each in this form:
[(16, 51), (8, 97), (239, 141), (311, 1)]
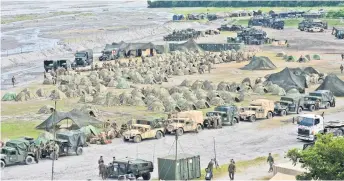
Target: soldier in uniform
[(57, 151), (270, 160), (211, 165), (99, 162), (209, 67), (341, 68), (317, 104), (41, 149), (342, 56), (13, 81), (102, 170), (231, 169)]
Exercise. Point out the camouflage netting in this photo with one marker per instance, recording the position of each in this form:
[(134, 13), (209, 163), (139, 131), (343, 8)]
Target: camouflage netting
[(223, 86), (89, 109), (48, 80), (288, 80), (208, 85), (41, 93), (71, 93), (260, 89), (197, 85), (136, 101), (57, 94), (122, 84), (226, 96), (46, 110), (99, 99), (202, 104), (334, 84), (187, 83), (86, 98), (156, 107), (112, 100), (217, 101), (125, 98), (260, 63), (25, 95)]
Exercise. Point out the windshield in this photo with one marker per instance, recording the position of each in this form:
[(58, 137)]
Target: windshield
[(224, 109), (310, 98), (306, 121), (315, 94), (80, 54), (212, 114)]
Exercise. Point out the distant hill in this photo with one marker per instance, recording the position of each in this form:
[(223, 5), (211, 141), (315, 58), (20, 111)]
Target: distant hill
[(272, 3)]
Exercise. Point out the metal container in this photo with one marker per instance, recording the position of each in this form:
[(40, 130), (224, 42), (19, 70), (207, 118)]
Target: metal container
[(185, 167)]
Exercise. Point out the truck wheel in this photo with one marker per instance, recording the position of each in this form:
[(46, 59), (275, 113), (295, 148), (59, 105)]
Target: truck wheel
[(236, 120), (146, 176), (299, 110), (269, 116), (339, 132), (125, 140), (252, 118), (79, 151), (199, 128), (2, 164), (327, 105), (29, 160), (137, 139), (179, 131), (283, 113), (158, 135), (333, 104), (312, 108)]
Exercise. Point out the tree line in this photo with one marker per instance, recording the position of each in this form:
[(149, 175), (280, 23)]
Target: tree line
[(272, 3)]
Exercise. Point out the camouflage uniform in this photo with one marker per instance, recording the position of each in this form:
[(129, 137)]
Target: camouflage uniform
[(211, 165), (317, 105), (209, 67), (231, 170), (271, 162), (102, 170), (57, 151), (341, 68)]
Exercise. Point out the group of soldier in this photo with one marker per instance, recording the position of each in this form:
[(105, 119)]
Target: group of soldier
[(103, 168), (215, 121), (42, 149)]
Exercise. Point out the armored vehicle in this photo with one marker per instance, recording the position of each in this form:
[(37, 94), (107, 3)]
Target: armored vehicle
[(184, 122), (258, 109), (289, 104), (257, 21), (252, 36), (231, 28), (338, 33), (144, 129), (182, 35), (231, 115), (83, 58), (17, 151), (277, 24), (68, 142), (127, 166), (308, 23), (325, 98)]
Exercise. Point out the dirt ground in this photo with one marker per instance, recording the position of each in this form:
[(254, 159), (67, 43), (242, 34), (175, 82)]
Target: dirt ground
[(131, 21)]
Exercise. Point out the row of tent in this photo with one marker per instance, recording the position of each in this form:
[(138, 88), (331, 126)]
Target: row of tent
[(27, 94), (292, 58)]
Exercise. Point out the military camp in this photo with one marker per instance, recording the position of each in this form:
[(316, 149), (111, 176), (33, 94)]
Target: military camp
[(140, 90)]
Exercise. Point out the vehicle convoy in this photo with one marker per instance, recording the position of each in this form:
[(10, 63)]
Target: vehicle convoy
[(83, 58), (325, 98), (17, 151), (309, 125), (68, 142), (184, 122), (144, 129), (130, 167), (258, 109), (289, 104)]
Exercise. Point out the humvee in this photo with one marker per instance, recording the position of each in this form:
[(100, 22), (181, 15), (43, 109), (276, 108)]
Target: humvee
[(185, 122), (258, 109), (325, 97), (136, 167), (144, 129), (17, 151), (231, 115), (289, 104)]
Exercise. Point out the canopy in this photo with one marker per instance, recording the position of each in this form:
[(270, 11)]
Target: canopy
[(21, 145), (288, 80), (44, 138), (190, 45), (79, 118), (334, 84), (9, 96), (74, 137), (88, 130), (260, 63)]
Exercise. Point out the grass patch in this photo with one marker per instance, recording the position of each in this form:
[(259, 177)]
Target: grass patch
[(25, 17), (17, 129)]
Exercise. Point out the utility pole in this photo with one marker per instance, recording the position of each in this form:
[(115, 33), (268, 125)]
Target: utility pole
[(54, 132), (176, 147), (216, 164)]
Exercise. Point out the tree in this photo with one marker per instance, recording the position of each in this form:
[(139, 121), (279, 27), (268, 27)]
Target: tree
[(324, 160)]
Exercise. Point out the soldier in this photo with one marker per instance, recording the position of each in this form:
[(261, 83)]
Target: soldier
[(341, 68), (57, 151), (231, 169), (99, 162), (113, 159), (317, 104), (342, 56), (211, 165), (270, 160), (41, 149), (45, 74), (36, 152), (13, 81), (102, 170), (209, 67)]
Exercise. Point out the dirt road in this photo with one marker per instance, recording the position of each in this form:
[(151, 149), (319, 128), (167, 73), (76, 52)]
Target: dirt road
[(241, 142)]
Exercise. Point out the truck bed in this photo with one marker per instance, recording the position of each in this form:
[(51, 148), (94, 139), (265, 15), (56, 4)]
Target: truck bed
[(334, 124)]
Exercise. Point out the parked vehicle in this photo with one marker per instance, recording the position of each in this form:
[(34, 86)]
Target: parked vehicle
[(144, 129), (258, 109), (130, 167), (231, 115), (83, 58), (325, 98), (289, 104), (184, 122)]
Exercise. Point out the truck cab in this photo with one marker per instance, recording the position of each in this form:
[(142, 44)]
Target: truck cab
[(83, 58), (308, 126), (230, 116)]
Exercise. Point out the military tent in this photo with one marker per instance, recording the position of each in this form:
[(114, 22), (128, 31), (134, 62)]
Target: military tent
[(197, 85), (46, 109), (90, 130), (122, 84), (310, 70), (260, 63), (291, 58), (25, 95), (189, 45), (9, 96), (217, 101), (303, 59), (223, 86), (202, 104), (41, 93), (281, 54), (57, 94), (316, 57), (334, 84), (78, 118), (288, 80), (156, 107), (86, 98)]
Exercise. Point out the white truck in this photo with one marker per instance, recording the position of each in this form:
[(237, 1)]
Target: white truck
[(309, 125)]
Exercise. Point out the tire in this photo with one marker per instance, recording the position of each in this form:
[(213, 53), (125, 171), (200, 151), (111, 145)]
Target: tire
[(327, 105), (158, 135), (179, 131), (137, 139), (339, 132), (2, 164), (79, 151), (283, 113), (29, 160), (236, 120), (311, 108), (198, 128), (299, 110), (269, 116), (125, 140), (333, 103), (252, 118), (146, 176)]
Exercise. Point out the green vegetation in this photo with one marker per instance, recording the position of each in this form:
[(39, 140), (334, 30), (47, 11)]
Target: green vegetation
[(25, 17), (16, 129), (324, 160), (335, 14), (179, 3)]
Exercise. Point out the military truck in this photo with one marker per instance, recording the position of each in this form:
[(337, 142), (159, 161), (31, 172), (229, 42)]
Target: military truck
[(231, 115), (324, 97), (289, 104), (127, 166), (182, 35), (110, 54), (184, 122), (308, 23), (258, 109), (83, 58), (17, 151), (55, 64), (314, 29), (144, 129), (338, 33), (277, 24), (48, 65), (230, 28)]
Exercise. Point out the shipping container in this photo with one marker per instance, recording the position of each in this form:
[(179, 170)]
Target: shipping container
[(186, 167)]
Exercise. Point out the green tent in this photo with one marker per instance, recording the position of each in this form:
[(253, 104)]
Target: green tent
[(44, 138), (291, 58), (9, 96), (90, 130), (316, 57), (308, 57)]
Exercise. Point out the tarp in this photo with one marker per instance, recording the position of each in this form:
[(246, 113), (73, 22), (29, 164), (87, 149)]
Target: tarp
[(310, 70), (132, 46), (9, 96), (259, 63), (44, 138), (79, 118), (21, 145), (288, 80), (74, 137), (334, 84), (190, 45)]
